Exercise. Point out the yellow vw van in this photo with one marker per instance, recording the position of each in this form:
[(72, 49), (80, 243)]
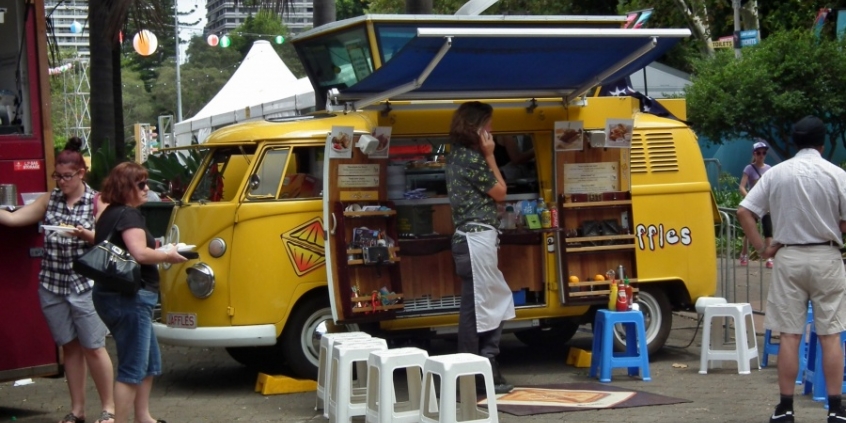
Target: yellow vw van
[(339, 219)]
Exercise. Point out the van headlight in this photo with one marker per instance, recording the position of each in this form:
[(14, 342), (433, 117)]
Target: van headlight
[(200, 280)]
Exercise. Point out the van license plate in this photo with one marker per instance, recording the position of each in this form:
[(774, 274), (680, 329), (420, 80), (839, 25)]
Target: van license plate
[(182, 320)]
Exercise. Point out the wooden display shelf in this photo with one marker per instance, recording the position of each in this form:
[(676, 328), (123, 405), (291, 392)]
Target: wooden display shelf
[(369, 307), (601, 248), (587, 204), (382, 213), (361, 261), (601, 238), (358, 250), (602, 293), (594, 283)]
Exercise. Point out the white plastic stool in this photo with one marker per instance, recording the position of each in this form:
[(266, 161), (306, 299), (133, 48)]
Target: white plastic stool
[(344, 400), (742, 353), (457, 370), (382, 406), (326, 342)]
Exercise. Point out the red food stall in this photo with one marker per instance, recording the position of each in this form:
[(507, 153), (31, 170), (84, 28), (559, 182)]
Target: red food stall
[(26, 160)]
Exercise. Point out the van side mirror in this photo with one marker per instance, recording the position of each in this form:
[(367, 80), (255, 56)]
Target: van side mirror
[(255, 181)]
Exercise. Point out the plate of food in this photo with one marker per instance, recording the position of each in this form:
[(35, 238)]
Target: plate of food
[(567, 136), (63, 230), (341, 142), (619, 132)]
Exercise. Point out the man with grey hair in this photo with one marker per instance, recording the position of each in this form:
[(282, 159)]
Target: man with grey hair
[(806, 197)]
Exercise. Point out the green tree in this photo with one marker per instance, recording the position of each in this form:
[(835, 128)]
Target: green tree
[(266, 25), (137, 102), (199, 86), (345, 9), (790, 75)]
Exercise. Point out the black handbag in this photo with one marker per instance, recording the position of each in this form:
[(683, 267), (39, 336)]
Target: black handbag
[(110, 266)]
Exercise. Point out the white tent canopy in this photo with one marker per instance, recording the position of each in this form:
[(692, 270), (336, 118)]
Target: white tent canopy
[(261, 87)]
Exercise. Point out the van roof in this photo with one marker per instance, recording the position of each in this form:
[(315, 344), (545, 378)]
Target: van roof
[(365, 60)]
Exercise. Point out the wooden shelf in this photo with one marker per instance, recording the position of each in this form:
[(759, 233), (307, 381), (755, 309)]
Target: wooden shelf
[(601, 238), (358, 250), (588, 204), (601, 248), (385, 213), (368, 297), (361, 262), (594, 283), (380, 308)]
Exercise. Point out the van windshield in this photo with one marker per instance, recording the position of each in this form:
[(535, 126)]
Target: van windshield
[(222, 175), (339, 60)]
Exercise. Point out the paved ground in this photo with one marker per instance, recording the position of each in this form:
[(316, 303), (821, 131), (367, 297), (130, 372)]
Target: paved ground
[(205, 385)]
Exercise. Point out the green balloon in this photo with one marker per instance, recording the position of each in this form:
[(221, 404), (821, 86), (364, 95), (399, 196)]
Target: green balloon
[(280, 39), (225, 41)]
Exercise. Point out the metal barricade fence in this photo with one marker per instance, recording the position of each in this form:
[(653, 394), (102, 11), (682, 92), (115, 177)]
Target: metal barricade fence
[(738, 284)]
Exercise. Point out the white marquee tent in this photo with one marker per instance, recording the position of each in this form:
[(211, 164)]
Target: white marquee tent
[(261, 87)]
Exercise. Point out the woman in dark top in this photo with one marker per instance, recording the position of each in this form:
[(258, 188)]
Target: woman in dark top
[(129, 317), (474, 185)]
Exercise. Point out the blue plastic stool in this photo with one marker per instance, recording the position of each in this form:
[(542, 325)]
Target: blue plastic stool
[(772, 349), (814, 377), (603, 358)]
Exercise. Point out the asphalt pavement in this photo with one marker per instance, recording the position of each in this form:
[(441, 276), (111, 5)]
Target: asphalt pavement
[(205, 385)]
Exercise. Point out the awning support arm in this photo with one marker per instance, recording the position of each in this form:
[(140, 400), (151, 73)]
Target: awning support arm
[(404, 88), (601, 78)]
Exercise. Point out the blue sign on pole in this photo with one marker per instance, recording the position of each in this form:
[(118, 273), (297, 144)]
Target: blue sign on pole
[(747, 38)]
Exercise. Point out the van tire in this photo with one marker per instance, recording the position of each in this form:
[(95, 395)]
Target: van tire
[(552, 337), (658, 317), (261, 359), (300, 341)]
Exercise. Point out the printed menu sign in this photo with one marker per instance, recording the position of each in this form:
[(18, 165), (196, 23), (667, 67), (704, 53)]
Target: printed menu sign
[(358, 175), (586, 178)]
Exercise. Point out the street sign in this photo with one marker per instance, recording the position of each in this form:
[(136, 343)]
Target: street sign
[(747, 38)]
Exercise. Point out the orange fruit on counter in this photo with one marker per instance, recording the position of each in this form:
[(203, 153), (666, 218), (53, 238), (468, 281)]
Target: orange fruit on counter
[(599, 277), (574, 279)]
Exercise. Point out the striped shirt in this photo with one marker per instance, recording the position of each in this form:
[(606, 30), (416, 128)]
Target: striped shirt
[(57, 273), (806, 197)]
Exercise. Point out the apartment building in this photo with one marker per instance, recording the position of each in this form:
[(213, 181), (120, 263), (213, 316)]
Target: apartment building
[(222, 16), (60, 16)]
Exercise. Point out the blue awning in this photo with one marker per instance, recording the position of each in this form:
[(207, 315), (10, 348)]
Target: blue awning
[(511, 62)]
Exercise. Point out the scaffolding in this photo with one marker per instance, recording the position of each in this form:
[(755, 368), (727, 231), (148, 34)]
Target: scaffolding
[(77, 92)]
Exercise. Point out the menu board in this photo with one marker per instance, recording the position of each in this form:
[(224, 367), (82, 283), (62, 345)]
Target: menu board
[(586, 178), (358, 175), (358, 59)]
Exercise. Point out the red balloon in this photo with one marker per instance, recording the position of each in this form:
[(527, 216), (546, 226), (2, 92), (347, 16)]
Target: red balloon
[(212, 40)]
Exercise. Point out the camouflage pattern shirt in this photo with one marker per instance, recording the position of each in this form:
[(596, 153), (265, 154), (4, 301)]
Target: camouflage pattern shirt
[(468, 180)]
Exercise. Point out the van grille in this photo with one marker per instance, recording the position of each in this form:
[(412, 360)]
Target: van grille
[(654, 152)]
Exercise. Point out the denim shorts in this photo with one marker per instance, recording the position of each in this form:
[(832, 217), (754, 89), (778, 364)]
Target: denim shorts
[(130, 320)]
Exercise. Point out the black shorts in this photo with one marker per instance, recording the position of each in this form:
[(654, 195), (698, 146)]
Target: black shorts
[(767, 225)]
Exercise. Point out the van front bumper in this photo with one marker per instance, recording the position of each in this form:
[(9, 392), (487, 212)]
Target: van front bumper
[(237, 336)]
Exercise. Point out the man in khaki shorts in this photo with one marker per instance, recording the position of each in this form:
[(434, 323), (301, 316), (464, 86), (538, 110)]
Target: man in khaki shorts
[(806, 197)]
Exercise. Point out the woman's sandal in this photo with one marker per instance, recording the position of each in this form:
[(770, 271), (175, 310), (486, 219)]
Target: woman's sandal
[(71, 418), (105, 415)]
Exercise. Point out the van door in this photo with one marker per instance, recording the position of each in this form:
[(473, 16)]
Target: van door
[(278, 235), (361, 253)]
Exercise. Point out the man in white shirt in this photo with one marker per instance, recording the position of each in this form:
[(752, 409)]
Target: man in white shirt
[(806, 197)]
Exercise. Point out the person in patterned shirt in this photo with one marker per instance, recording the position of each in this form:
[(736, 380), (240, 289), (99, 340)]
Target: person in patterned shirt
[(65, 295), (474, 185)]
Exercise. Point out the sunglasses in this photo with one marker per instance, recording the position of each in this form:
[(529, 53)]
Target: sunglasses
[(761, 153), (65, 177), (141, 185)]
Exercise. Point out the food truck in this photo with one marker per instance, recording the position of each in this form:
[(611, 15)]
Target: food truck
[(339, 220), (26, 159)]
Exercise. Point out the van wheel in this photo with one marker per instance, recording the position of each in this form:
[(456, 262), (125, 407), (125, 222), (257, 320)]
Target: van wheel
[(300, 341), (657, 316), (551, 337)]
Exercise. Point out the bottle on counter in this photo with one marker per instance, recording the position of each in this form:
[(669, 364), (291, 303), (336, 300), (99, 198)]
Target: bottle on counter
[(622, 298), (612, 297), (509, 219), (546, 219), (553, 211), (629, 292)]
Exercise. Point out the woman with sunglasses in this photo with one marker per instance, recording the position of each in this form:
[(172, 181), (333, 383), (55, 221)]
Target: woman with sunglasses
[(751, 174), (129, 317), (65, 295)]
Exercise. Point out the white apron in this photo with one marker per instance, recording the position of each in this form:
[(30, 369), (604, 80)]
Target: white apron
[(494, 300)]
